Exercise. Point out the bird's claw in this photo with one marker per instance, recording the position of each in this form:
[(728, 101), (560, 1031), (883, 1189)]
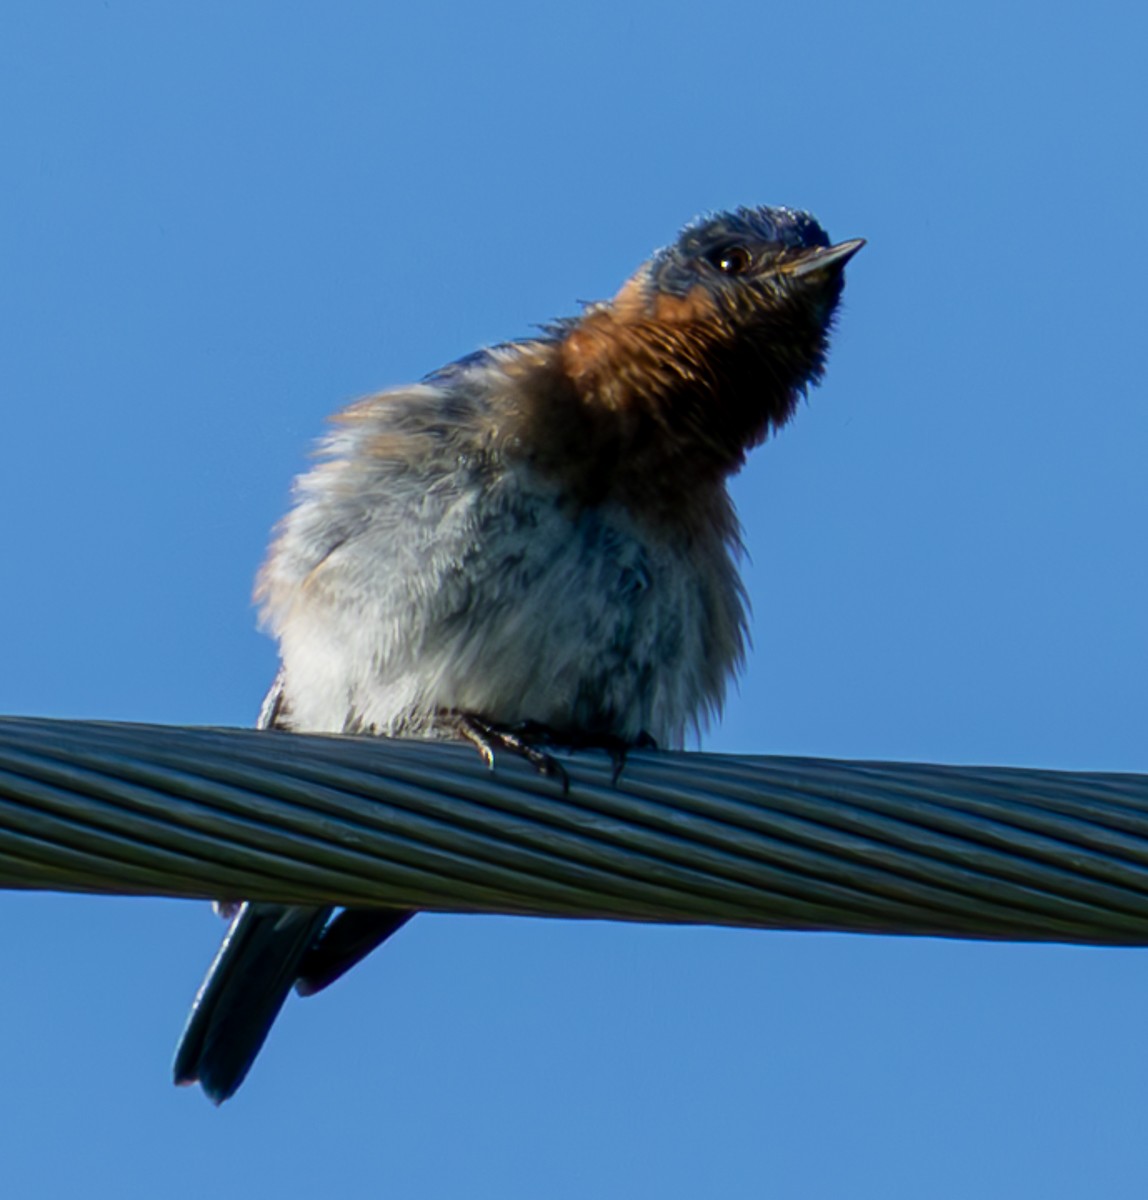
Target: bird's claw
[(487, 737), (526, 739)]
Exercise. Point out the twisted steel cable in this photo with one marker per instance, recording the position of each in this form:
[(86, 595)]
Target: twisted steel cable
[(769, 842)]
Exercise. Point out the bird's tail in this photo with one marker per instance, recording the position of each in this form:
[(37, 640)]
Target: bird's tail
[(245, 988)]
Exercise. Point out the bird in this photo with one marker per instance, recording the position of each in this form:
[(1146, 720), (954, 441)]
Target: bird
[(534, 546)]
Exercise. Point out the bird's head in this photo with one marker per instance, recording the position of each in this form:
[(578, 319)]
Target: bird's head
[(716, 337), (747, 263)]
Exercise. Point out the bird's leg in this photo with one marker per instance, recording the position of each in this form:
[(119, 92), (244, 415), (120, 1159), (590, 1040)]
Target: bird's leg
[(526, 738), (518, 739), (616, 747), (618, 753)]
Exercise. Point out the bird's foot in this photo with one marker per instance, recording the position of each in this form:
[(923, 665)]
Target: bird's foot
[(528, 739), (620, 748), (520, 738)]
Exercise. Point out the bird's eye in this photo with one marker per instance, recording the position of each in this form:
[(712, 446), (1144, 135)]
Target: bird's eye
[(730, 260)]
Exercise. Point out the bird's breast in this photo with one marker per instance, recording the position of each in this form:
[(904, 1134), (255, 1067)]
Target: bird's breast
[(492, 594)]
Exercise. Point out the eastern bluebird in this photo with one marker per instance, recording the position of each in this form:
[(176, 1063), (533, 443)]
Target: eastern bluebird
[(537, 537)]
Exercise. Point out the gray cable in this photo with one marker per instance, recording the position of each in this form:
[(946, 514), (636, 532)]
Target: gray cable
[(780, 843)]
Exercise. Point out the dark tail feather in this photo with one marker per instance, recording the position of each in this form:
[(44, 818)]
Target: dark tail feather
[(245, 988), (350, 937)]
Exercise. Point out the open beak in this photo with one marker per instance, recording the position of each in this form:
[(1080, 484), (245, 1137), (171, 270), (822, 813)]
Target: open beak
[(820, 258)]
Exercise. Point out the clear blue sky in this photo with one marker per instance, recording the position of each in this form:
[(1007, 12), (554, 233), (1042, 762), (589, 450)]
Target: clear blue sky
[(220, 222)]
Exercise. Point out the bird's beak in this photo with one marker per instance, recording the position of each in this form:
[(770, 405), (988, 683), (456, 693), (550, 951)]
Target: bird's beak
[(820, 258)]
